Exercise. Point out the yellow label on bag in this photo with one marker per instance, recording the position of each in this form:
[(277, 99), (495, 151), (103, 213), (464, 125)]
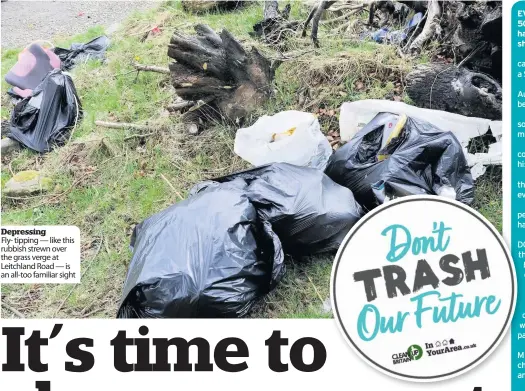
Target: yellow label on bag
[(395, 133), (279, 136)]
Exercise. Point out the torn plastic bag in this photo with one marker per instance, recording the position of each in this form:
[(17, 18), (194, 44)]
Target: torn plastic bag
[(308, 211), (208, 256), (417, 159), (384, 35), (82, 52), (289, 136), (44, 119), (355, 115)]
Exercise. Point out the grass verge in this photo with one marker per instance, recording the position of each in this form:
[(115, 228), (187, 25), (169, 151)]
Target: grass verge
[(106, 181)]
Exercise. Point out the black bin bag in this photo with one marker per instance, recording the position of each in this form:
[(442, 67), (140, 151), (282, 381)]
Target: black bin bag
[(308, 211), (82, 52), (208, 256), (45, 119), (422, 159)]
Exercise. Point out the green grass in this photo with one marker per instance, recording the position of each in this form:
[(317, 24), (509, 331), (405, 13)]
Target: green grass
[(105, 184)]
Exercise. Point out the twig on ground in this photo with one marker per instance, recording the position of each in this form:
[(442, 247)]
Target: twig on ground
[(315, 288), (171, 186), (123, 125), (95, 311), (11, 169), (26, 198), (77, 105), (151, 68), (14, 311)]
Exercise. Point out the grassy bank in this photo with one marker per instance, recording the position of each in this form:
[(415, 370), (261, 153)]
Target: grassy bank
[(106, 180)]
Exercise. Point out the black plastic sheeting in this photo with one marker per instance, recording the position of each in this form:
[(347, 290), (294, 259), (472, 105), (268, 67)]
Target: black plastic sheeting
[(208, 256), (422, 160), (81, 52), (45, 119), (309, 212), (216, 253)]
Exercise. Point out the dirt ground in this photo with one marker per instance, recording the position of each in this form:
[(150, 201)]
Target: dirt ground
[(26, 21)]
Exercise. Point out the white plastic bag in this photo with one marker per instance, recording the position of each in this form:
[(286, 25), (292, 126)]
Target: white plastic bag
[(289, 137)]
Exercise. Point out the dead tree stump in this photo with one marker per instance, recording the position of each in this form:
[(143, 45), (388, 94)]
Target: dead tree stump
[(275, 26), (457, 90), (215, 71)]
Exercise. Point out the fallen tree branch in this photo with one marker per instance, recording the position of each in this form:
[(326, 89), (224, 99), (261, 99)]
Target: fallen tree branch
[(151, 68), (177, 106), (12, 310), (123, 125), (347, 7)]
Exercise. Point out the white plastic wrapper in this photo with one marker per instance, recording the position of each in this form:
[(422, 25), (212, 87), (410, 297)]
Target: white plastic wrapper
[(287, 137)]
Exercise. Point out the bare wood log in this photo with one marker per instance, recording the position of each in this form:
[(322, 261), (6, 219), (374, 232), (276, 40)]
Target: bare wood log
[(151, 68)]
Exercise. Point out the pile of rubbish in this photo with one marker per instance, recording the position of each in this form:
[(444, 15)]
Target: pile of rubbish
[(218, 252), (222, 249), (47, 106), (395, 156), (396, 37)]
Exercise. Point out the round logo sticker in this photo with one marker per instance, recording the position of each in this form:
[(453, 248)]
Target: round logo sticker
[(423, 288)]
